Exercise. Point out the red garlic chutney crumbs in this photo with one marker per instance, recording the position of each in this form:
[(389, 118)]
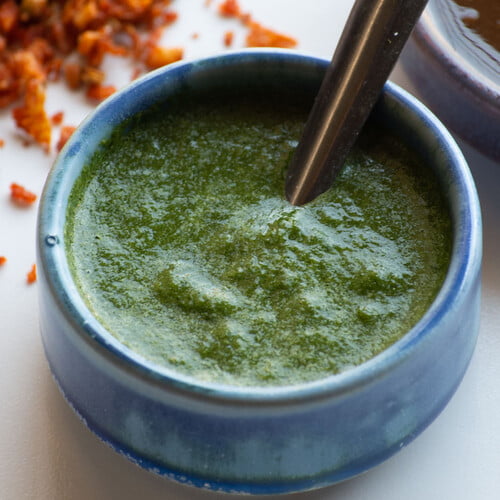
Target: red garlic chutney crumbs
[(31, 275), (20, 194), (49, 40), (43, 41)]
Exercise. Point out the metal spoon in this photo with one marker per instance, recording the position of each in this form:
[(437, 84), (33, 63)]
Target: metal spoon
[(371, 42)]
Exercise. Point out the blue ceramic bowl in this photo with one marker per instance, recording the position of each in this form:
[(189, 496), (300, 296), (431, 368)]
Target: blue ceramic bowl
[(457, 75), (254, 439)]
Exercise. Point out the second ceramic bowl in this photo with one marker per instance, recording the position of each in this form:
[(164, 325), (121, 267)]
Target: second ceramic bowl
[(457, 75)]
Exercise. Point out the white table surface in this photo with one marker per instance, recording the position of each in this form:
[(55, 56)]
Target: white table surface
[(45, 451)]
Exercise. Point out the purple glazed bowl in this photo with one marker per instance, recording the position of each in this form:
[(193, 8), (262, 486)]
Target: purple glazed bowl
[(259, 440), (456, 75)]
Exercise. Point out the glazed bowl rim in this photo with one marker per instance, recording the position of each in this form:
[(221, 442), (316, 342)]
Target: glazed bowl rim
[(464, 266), (466, 73)]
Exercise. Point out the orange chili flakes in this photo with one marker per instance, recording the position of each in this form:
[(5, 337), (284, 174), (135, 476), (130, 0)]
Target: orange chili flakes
[(3, 260), (100, 92), (229, 8), (93, 45), (31, 275), (170, 17), (9, 14), (65, 134), (31, 115), (259, 36), (90, 76), (57, 118), (44, 40), (157, 56), (228, 38), (73, 74), (20, 194)]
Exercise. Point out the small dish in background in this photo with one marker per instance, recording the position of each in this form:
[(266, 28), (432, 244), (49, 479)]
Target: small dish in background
[(456, 72)]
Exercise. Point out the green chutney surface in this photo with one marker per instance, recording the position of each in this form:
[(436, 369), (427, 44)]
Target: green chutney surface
[(184, 248)]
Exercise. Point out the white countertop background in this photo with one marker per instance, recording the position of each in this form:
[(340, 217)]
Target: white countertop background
[(46, 453)]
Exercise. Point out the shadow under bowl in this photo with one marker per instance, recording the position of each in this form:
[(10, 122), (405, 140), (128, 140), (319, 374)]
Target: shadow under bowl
[(259, 440)]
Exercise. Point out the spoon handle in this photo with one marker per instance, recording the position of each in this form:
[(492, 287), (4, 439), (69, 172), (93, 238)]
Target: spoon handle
[(371, 42)]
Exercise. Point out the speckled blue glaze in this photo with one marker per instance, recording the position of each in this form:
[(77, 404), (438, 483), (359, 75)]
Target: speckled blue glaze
[(456, 75), (259, 440)]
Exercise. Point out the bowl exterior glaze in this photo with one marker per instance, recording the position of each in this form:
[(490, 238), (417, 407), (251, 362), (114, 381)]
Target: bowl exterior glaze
[(456, 75), (259, 440)]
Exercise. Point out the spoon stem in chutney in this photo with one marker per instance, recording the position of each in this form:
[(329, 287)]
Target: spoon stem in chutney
[(368, 49)]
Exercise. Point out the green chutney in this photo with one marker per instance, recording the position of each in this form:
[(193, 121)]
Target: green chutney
[(183, 246)]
